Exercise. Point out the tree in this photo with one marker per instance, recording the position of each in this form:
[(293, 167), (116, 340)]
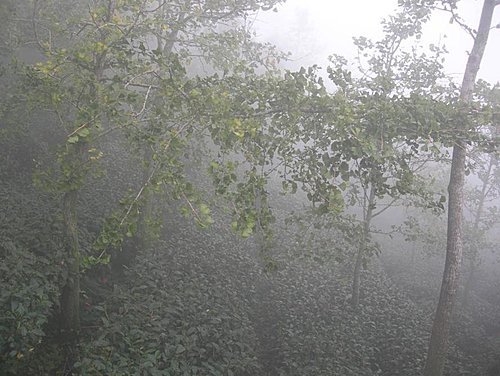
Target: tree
[(373, 137), (440, 330), (121, 68), (483, 214)]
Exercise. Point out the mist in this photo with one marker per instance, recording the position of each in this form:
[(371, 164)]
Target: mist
[(249, 188)]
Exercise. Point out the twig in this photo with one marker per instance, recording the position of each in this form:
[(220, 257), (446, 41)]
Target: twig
[(387, 206), (192, 208), (35, 29), (144, 104), (459, 21), (139, 194), (81, 127), (109, 130), (153, 172), (139, 75)]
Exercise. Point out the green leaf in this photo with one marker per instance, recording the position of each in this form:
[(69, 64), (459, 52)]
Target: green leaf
[(84, 132), (73, 139)]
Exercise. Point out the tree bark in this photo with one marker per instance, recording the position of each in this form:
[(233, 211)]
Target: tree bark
[(438, 344), (143, 237), (165, 46), (475, 232), (70, 298), (356, 280)]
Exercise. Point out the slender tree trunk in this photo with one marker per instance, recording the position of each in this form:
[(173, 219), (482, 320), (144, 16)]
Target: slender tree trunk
[(143, 237), (165, 45), (438, 344), (475, 232), (356, 279), (70, 299)]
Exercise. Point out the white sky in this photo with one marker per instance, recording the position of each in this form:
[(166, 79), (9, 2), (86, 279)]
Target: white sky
[(314, 29)]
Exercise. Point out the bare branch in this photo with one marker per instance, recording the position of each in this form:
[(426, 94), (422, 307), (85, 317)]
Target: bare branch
[(35, 29), (138, 195), (144, 86), (144, 104), (387, 206), (82, 126), (78, 129), (108, 131), (129, 82), (456, 18), (195, 213)]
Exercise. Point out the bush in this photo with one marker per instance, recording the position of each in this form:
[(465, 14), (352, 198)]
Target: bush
[(29, 292), (181, 310)]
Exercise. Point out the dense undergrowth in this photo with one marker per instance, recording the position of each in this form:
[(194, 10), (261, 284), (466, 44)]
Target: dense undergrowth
[(201, 302), (205, 302)]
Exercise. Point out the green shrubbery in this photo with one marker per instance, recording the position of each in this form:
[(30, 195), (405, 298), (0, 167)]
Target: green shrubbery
[(176, 311), (28, 295)]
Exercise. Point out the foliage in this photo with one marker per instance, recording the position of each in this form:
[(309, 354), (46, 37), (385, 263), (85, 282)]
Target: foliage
[(30, 285), (31, 271), (182, 309), (129, 104)]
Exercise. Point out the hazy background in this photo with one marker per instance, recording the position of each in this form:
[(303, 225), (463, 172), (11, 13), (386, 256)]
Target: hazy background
[(314, 29)]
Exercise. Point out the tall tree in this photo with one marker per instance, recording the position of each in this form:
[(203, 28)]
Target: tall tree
[(440, 330), (481, 222), (367, 153), (122, 67)]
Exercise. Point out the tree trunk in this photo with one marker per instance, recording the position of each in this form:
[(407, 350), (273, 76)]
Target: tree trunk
[(70, 298), (143, 238), (475, 232), (438, 344), (356, 279)]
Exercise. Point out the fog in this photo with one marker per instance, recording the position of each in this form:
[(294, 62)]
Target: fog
[(312, 30), (193, 188)]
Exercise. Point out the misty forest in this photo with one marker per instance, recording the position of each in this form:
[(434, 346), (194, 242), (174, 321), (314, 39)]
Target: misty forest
[(176, 200)]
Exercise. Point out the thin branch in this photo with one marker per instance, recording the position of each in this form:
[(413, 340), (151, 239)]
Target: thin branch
[(138, 195), (381, 232), (81, 127), (195, 213), (269, 172), (34, 24), (153, 10), (136, 19), (148, 181), (144, 86), (389, 205), (109, 130), (129, 82), (144, 104), (456, 18)]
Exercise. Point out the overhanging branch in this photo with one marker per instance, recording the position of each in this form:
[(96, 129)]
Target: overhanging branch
[(456, 18)]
